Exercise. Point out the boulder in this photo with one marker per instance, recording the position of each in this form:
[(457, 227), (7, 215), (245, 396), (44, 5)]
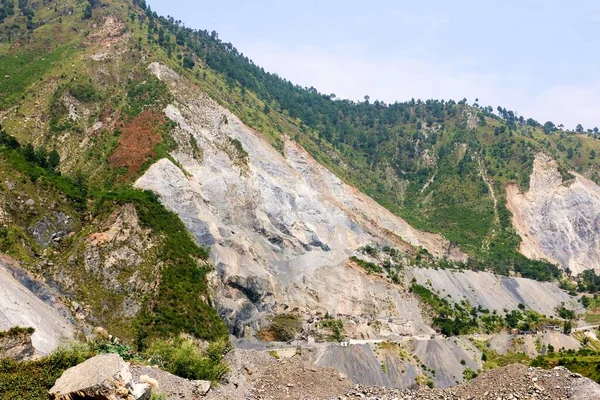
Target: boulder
[(201, 387), (102, 377), (141, 391)]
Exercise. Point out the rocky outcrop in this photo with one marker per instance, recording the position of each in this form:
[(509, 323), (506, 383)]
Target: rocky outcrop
[(16, 344), (20, 307), (51, 228), (280, 226), (117, 260), (104, 377), (556, 220)]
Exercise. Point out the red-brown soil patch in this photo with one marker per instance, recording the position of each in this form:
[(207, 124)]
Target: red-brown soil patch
[(137, 141)]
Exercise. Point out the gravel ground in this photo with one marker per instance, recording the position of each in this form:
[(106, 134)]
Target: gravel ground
[(257, 375)]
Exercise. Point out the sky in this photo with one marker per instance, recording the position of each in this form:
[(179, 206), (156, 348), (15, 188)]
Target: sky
[(538, 58)]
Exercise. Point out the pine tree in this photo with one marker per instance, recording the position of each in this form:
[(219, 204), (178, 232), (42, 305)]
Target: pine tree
[(53, 160)]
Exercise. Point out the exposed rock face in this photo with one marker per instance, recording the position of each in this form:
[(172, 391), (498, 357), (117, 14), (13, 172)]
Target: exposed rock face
[(280, 227), (121, 256), (496, 293), (16, 347), (558, 221), (20, 307), (51, 228), (102, 377)]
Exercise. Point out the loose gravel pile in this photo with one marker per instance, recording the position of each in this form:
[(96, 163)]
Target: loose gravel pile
[(259, 376), (514, 382)]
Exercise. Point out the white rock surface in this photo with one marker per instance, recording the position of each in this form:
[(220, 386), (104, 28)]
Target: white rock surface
[(280, 227), (101, 377), (558, 221), (20, 307), (495, 292)]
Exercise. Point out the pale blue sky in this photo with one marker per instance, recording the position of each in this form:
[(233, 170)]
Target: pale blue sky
[(537, 57)]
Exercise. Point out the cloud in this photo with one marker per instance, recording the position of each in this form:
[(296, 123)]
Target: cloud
[(350, 72)]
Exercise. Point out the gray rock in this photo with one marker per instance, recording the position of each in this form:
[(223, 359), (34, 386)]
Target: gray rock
[(558, 221), (16, 346), (51, 228), (141, 391), (102, 377), (202, 387)]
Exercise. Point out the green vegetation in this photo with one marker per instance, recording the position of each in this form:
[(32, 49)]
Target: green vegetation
[(462, 318), (335, 326), (24, 69), (584, 361), (491, 359), (285, 326), (370, 267), (177, 305), (381, 147), (183, 358), (469, 374), (31, 380), (16, 331), (274, 354), (146, 93)]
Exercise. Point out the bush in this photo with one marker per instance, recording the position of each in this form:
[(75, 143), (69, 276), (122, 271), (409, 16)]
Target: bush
[(15, 331), (183, 358), (285, 326), (29, 380)]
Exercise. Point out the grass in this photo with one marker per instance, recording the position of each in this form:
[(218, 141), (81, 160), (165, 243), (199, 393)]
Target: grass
[(181, 302), (492, 359), (183, 358), (31, 380), (585, 362), (16, 331), (23, 69)]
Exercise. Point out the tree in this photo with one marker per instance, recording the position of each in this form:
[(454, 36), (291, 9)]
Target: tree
[(188, 62), (53, 160), (180, 37), (29, 152), (567, 327), (87, 13), (579, 128), (570, 153), (592, 154), (41, 157), (549, 127)]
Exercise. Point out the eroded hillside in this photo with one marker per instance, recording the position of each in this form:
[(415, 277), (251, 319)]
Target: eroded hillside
[(558, 220), (280, 227)]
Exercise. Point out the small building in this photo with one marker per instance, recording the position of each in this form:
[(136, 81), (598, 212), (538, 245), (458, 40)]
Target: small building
[(344, 344)]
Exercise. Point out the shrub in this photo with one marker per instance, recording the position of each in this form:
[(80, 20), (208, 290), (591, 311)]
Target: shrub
[(285, 326), (29, 380), (15, 331), (183, 358)]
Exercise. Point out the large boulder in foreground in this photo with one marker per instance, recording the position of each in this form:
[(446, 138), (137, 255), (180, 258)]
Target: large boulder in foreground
[(104, 377)]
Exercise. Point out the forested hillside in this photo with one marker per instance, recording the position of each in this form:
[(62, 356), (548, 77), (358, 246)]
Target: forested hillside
[(442, 165), (74, 85)]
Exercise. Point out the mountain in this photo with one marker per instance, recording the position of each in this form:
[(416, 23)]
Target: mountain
[(159, 183)]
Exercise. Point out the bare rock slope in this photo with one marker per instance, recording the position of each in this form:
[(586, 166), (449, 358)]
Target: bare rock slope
[(558, 221), (21, 307), (280, 226), (496, 293)]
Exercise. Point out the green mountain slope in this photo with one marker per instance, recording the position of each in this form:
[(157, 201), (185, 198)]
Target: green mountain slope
[(73, 78)]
